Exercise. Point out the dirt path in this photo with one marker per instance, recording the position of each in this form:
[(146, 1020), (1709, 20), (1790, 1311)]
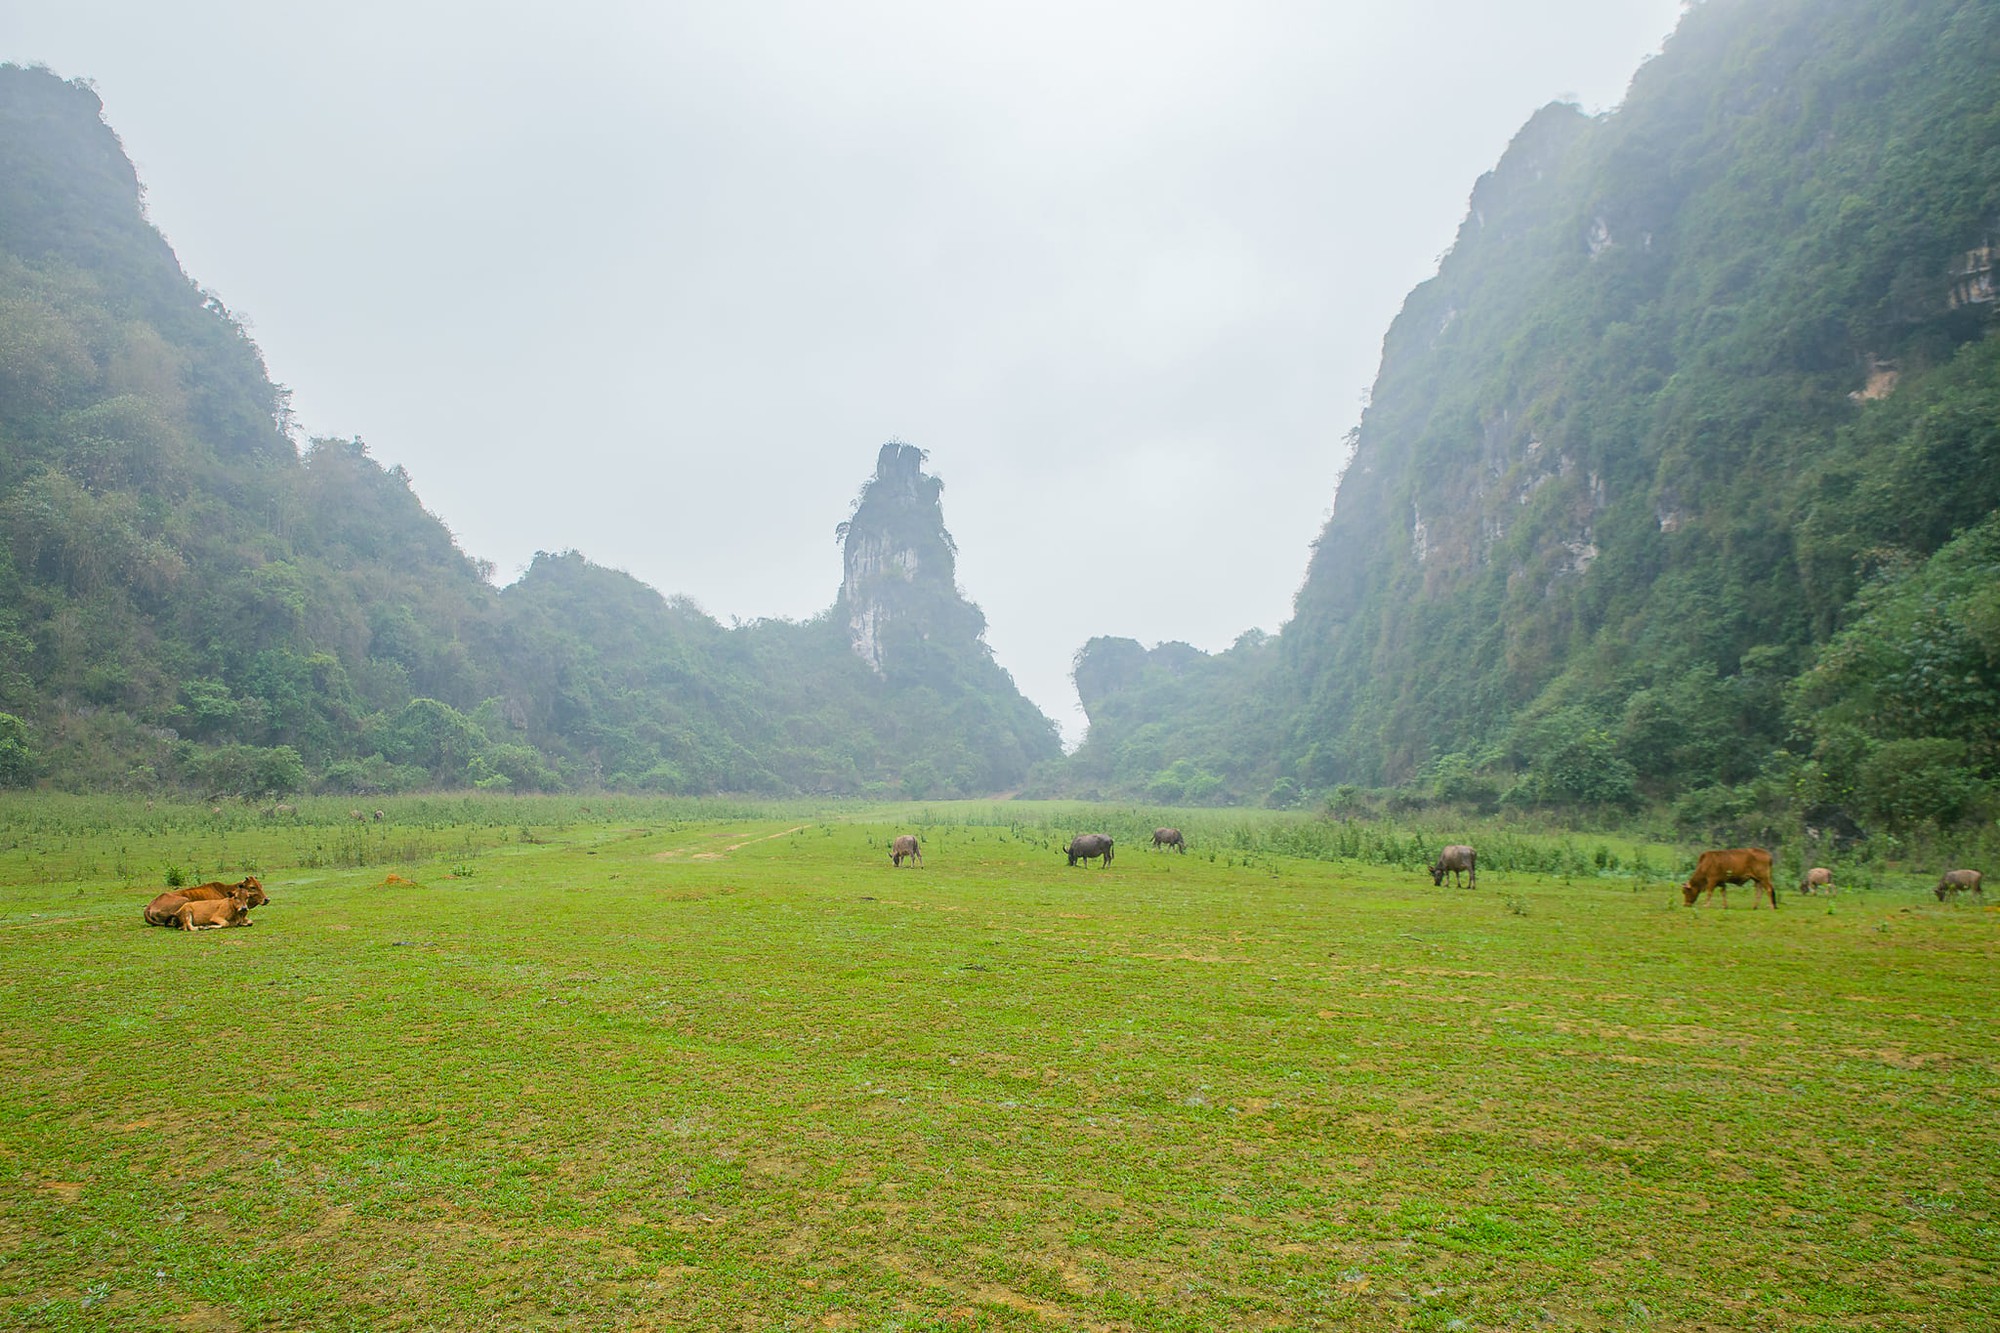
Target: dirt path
[(677, 852)]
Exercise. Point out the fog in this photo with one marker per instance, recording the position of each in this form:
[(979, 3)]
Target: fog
[(654, 282)]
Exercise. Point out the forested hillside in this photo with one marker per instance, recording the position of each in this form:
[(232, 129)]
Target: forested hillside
[(1679, 480), (189, 600)]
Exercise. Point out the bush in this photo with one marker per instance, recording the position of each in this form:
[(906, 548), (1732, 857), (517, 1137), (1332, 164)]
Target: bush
[(17, 761), (249, 770), (1712, 810), (373, 776), (1909, 783)]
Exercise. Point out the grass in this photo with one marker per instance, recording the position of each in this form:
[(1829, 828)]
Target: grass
[(694, 1064)]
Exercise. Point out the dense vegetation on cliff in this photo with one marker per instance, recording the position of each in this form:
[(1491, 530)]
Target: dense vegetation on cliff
[(1679, 480), (188, 599)]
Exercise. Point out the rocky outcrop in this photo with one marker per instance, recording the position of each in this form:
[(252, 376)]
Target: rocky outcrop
[(898, 561)]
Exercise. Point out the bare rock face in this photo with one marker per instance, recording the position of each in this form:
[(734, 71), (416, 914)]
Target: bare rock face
[(898, 566)]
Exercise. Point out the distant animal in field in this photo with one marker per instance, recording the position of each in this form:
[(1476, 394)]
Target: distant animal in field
[(356, 815), (1086, 845), (1458, 861), (1738, 865), (906, 845), (378, 816), (214, 914), (163, 909), (1819, 877), (1953, 882), (1169, 837)]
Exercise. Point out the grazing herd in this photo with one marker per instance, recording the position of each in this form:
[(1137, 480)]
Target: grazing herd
[(215, 905), (1714, 871)]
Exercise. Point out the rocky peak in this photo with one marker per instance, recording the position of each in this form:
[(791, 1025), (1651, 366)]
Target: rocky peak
[(899, 563)]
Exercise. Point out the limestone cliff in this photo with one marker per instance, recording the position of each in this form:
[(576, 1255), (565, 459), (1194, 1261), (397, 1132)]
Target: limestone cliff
[(898, 569)]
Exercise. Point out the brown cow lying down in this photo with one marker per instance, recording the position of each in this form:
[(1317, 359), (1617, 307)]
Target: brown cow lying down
[(214, 914), (161, 911), (1739, 865)]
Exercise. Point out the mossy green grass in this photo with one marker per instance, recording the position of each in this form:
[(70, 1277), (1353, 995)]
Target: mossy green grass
[(573, 1064)]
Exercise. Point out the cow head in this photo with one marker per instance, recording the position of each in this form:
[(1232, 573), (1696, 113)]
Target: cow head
[(1689, 893)]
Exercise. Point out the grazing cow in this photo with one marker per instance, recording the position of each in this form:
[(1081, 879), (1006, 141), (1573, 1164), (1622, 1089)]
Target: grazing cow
[(906, 845), (1739, 865), (356, 816), (1086, 845), (378, 814), (215, 914), (1457, 860), (1952, 881), (161, 911), (1819, 877), (1169, 837)]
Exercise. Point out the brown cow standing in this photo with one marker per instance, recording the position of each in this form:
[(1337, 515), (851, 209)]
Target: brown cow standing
[(211, 914), (1739, 865), (161, 911), (1453, 860), (1819, 877), (1169, 837), (906, 845), (1953, 881)]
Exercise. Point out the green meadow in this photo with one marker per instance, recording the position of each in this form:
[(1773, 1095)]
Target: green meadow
[(534, 1063)]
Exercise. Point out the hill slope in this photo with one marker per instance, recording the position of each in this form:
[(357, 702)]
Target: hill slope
[(1701, 390), (187, 598)]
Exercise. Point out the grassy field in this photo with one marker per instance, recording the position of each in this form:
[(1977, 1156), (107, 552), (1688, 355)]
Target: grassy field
[(562, 1063)]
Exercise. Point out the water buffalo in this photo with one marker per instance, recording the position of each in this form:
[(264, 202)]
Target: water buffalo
[(1952, 881), (1739, 865), (1169, 837), (905, 845), (1819, 877), (1086, 845), (1454, 860)]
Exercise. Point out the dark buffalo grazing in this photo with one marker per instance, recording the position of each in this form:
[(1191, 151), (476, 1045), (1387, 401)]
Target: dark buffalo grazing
[(1739, 865), (214, 914), (1455, 860), (1086, 845), (1169, 837), (1952, 882), (161, 911), (905, 845), (1819, 877)]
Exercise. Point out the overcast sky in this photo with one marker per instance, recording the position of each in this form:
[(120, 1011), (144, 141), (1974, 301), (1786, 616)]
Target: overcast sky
[(656, 280)]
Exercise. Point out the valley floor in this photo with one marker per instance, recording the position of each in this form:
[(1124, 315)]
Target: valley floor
[(650, 1065)]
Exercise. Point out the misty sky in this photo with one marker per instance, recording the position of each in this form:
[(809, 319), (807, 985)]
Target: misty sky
[(655, 281)]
